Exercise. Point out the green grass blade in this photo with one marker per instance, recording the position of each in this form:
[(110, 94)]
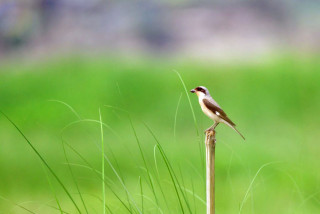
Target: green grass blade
[(170, 170), (150, 183), (158, 176), (194, 197), (94, 196), (142, 155), (168, 167), (141, 192), (186, 90), (53, 207), (18, 205), (158, 208), (191, 192), (73, 177), (121, 182), (102, 148), (43, 161), (98, 174), (195, 122), (175, 118), (68, 106), (144, 161), (182, 187), (173, 180), (90, 120), (52, 189), (102, 164), (251, 183)]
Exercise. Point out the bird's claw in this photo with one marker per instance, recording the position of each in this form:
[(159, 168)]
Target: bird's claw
[(209, 129)]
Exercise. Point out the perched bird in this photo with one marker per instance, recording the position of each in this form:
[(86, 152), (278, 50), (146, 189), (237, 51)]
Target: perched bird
[(212, 109)]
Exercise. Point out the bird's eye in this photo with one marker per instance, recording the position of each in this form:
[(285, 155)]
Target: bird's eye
[(199, 89)]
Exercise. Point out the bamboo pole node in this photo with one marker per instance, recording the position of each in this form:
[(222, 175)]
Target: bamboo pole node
[(210, 143)]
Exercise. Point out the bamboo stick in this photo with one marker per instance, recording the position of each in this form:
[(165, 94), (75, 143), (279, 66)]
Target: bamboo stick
[(210, 155)]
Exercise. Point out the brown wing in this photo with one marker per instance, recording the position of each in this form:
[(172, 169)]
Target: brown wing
[(215, 109)]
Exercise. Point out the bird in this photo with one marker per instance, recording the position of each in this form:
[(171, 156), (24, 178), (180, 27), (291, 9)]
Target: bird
[(212, 109)]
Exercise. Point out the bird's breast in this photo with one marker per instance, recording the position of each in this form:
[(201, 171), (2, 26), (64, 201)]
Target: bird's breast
[(208, 112)]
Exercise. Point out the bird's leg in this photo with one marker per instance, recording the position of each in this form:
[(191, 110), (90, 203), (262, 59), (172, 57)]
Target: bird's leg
[(212, 127), (215, 125)]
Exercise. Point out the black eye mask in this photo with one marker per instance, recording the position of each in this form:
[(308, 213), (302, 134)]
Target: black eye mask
[(201, 89)]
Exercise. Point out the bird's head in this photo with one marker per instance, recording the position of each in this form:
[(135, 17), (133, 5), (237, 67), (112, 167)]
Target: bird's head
[(200, 90)]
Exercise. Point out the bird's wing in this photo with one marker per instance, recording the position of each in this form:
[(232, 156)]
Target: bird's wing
[(218, 111)]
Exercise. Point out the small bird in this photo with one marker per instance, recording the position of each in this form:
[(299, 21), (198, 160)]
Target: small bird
[(212, 109)]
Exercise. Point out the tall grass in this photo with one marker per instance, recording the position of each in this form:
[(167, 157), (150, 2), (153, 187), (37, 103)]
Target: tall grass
[(178, 186), (195, 121), (44, 162), (112, 160)]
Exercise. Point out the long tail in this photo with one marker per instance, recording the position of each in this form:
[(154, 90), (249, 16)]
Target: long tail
[(234, 128)]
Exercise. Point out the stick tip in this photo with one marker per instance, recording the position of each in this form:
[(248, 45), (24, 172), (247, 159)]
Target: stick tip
[(211, 135)]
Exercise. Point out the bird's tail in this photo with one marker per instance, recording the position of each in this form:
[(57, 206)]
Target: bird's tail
[(234, 128)]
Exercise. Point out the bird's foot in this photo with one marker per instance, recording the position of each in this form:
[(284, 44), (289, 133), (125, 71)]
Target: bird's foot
[(209, 129)]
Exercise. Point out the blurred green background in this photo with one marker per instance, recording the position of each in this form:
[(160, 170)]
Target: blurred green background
[(275, 104), (61, 63)]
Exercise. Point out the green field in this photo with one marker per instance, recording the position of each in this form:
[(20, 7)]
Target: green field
[(55, 103)]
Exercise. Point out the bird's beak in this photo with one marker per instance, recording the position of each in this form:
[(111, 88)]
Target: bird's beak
[(192, 91)]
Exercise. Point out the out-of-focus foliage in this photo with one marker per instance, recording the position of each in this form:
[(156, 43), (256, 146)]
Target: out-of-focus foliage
[(275, 105)]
